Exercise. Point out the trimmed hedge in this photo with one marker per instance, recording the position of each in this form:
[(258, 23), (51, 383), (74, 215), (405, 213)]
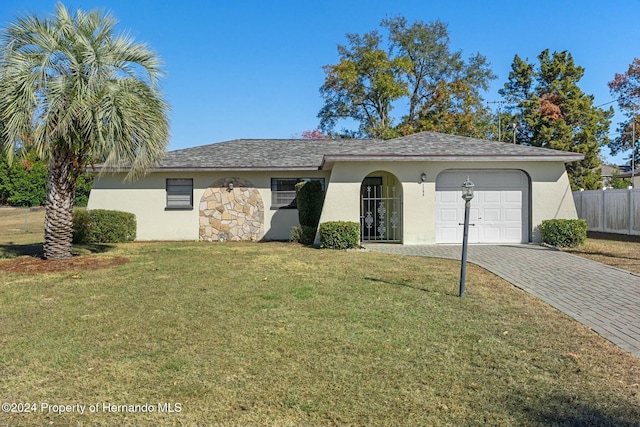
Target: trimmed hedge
[(103, 226), (309, 198), (339, 235), (564, 233)]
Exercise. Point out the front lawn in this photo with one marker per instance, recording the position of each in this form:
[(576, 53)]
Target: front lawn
[(279, 334), (617, 250)]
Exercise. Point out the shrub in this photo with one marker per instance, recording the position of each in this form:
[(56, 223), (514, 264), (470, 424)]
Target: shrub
[(24, 183), (309, 198), (339, 235), (81, 226), (83, 189), (564, 233), (295, 234), (103, 226), (308, 234), (303, 234)]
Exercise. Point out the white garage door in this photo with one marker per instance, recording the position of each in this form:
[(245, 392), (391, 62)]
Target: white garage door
[(499, 209)]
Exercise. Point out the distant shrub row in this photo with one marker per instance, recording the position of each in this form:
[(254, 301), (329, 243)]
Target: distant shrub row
[(103, 226), (24, 183), (564, 233)]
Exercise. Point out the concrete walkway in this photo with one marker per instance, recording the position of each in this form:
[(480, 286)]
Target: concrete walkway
[(606, 299)]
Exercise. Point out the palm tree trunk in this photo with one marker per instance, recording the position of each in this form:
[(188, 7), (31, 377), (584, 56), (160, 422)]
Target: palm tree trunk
[(58, 223)]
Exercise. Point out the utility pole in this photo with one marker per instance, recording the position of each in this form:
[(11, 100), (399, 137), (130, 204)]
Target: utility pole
[(633, 147), (500, 104)]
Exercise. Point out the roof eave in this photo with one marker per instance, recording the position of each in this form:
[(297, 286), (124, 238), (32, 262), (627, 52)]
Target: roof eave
[(627, 174), (329, 160), (208, 169)]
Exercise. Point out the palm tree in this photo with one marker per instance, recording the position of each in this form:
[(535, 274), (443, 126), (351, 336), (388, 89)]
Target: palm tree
[(75, 91)]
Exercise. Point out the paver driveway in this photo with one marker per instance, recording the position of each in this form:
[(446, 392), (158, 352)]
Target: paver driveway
[(604, 298)]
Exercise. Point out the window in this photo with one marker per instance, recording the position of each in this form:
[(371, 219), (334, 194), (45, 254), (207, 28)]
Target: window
[(179, 193), (283, 191)]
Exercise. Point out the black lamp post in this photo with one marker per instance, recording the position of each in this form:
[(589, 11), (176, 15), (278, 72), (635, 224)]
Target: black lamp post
[(467, 195)]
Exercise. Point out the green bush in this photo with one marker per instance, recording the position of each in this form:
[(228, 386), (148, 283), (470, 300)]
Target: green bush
[(309, 198), (295, 234), (339, 235), (24, 183), (83, 189), (103, 226), (81, 226), (303, 234), (564, 233), (308, 234)]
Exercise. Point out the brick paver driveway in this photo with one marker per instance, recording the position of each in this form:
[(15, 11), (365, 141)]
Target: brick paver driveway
[(604, 298)]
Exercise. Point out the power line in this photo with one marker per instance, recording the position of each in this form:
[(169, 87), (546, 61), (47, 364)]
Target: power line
[(606, 103), (500, 103)]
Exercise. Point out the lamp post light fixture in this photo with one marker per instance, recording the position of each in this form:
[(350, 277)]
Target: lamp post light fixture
[(467, 195), (467, 190)]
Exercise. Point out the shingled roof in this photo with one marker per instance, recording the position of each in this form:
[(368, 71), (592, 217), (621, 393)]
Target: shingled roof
[(315, 154)]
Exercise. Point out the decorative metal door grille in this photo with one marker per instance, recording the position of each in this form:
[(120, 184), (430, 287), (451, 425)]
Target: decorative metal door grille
[(380, 212)]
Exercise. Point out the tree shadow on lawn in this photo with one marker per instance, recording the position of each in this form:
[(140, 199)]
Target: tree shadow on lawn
[(613, 236), (11, 250), (606, 236), (602, 254), (406, 285), (557, 409)]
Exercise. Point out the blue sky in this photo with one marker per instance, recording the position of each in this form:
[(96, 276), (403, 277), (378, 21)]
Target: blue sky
[(253, 69)]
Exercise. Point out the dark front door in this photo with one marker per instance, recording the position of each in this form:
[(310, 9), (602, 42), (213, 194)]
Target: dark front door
[(379, 211)]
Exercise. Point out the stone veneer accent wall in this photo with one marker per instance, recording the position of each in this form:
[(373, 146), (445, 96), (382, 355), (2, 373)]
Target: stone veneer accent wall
[(233, 215)]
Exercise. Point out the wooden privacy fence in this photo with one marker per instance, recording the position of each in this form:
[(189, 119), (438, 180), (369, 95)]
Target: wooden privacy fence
[(610, 211)]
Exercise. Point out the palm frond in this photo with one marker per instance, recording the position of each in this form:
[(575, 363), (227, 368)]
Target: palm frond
[(70, 81)]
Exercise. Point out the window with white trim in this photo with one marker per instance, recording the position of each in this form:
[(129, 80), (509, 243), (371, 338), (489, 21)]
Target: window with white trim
[(283, 191), (179, 193)]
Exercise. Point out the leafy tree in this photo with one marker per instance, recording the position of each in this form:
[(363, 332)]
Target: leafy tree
[(83, 189), (619, 183), (362, 86), (23, 183), (626, 88), (444, 89), (314, 134), (413, 66), (453, 110), (552, 111), (73, 90)]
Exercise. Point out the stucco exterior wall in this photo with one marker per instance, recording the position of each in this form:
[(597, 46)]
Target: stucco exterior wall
[(549, 192), (146, 198)]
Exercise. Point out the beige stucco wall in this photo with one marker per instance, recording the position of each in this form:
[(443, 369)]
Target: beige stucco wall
[(550, 195), (146, 198)]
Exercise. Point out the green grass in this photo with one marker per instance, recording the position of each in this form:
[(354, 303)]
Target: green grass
[(21, 231), (280, 334)]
